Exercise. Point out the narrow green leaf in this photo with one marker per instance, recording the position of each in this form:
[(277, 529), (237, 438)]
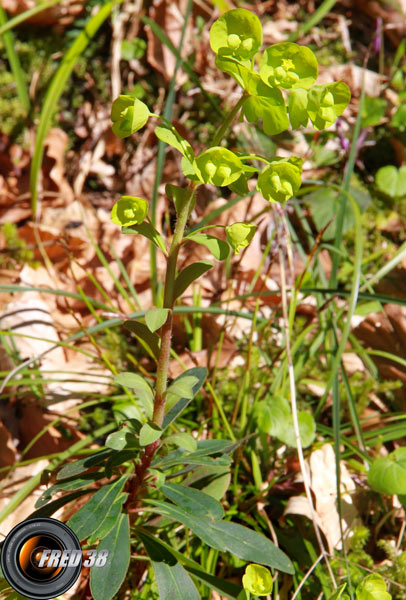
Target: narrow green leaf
[(49, 509), (148, 231), (83, 464), (218, 248), (105, 582), (200, 373), (183, 386), (133, 381), (190, 274), (174, 583), (199, 525), (143, 333), (170, 136), (155, 318), (109, 521), (252, 546), (88, 518), (68, 485), (182, 440), (149, 433), (193, 501)]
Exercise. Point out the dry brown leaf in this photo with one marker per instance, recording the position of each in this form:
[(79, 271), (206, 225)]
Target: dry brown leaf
[(62, 14), (54, 164), (170, 17), (323, 485)]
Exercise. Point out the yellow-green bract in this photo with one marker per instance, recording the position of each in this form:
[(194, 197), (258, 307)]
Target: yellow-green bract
[(326, 102), (279, 181), (288, 65), (239, 235), (129, 210), (237, 33), (257, 580), (218, 166), (128, 115)]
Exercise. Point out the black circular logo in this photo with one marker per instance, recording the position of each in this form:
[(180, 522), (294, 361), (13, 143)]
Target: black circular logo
[(41, 558)]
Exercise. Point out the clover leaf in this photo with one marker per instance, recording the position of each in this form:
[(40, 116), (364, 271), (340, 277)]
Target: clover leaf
[(279, 181), (326, 102), (287, 65), (129, 210), (128, 115), (218, 166), (257, 580), (237, 33), (239, 235), (265, 103)]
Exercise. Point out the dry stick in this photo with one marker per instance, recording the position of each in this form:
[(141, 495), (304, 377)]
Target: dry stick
[(306, 577), (292, 387)]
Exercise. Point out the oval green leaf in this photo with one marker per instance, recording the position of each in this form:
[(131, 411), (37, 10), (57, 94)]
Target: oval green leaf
[(388, 474), (218, 248), (155, 318), (190, 274), (149, 433)]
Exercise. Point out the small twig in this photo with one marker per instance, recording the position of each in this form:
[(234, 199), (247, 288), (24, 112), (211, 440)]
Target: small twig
[(306, 577)]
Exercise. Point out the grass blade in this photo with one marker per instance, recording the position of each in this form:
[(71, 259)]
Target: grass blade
[(55, 90), (14, 61)]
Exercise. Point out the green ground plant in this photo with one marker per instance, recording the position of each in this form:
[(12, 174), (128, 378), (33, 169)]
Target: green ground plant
[(150, 463), (164, 484)]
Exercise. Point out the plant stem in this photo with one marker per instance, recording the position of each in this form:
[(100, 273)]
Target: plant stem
[(218, 136), (169, 299)]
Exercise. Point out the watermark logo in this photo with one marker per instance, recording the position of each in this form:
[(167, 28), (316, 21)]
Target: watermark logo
[(42, 558)]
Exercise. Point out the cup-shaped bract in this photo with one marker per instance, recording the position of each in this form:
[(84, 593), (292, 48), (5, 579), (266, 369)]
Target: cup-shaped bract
[(265, 103), (239, 235), (279, 181), (128, 115), (129, 210), (287, 65), (326, 102), (219, 166), (237, 33), (257, 580)]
